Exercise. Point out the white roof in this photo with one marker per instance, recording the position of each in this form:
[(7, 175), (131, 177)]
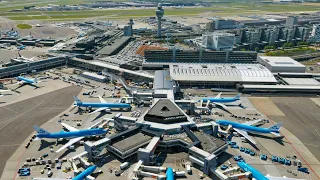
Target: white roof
[(108, 66), (290, 87), (302, 81), (221, 72), (281, 61), (93, 75)]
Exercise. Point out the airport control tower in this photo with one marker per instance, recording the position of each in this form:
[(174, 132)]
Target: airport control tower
[(159, 14), (130, 23)]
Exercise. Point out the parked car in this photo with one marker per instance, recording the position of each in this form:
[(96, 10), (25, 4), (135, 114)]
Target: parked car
[(252, 153), (275, 158), (237, 158), (263, 157), (224, 167)]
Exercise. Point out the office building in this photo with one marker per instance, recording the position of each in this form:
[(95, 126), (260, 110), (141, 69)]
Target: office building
[(126, 31), (210, 26), (218, 41), (250, 38), (315, 34), (225, 24), (162, 58), (291, 21)]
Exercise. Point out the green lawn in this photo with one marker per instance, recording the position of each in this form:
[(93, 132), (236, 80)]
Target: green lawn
[(291, 52), (24, 26), (218, 9)]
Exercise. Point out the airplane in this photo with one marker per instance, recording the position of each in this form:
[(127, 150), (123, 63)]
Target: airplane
[(257, 175), (243, 128), (21, 47), (23, 59), (26, 81), (218, 100), (1, 91), (169, 174), (80, 176), (102, 106), (74, 134)]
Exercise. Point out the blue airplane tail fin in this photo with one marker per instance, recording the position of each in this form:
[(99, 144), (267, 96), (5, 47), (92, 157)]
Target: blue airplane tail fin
[(40, 130), (77, 100), (276, 127), (237, 96)]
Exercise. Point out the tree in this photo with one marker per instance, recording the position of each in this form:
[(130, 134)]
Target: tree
[(256, 49), (303, 43), (268, 47), (243, 49), (287, 45)]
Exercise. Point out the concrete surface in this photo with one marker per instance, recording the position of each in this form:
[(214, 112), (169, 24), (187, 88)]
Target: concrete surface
[(17, 119), (301, 126)]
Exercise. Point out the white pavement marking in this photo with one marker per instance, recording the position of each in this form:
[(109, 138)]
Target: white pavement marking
[(317, 131)]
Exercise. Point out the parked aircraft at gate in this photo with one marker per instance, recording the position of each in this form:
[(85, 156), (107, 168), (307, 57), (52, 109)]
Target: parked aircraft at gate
[(218, 100), (102, 106), (26, 81), (243, 128), (74, 134), (169, 174)]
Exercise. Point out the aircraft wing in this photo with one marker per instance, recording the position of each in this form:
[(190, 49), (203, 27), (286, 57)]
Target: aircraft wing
[(71, 141), (90, 177), (48, 179), (102, 100), (280, 178), (99, 109), (218, 96), (250, 123), (246, 135), (221, 105), (70, 128)]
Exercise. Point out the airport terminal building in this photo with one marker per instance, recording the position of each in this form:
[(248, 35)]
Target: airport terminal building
[(220, 75), (163, 127)]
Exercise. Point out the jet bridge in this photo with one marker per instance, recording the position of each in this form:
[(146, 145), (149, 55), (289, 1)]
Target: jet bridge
[(94, 149), (145, 154), (202, 158)]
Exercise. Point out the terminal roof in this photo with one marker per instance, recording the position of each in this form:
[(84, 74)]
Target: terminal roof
[(166, 112), (221, 72)]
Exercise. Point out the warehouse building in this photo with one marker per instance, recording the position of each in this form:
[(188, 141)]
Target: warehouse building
[(281, 64), (94, 77), (220, 75)]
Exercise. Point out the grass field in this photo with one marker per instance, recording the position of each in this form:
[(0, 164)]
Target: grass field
[(291, 52), (311, 62), (24, 26), (218, 9)]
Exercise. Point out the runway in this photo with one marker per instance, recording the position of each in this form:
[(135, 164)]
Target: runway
[(17, 119), (302, 119)]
